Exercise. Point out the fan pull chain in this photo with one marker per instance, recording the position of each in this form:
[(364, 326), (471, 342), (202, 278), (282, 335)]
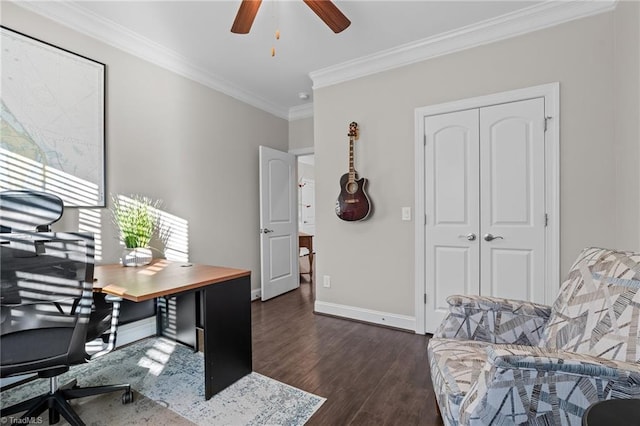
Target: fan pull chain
[(273, 48), (277, 25)]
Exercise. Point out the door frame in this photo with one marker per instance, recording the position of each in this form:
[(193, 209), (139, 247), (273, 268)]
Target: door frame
[(551, 94)]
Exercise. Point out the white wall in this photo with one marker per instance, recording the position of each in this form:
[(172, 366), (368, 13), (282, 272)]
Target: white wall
[(301, 134), (627, 122), (371, 263), (170, 138)]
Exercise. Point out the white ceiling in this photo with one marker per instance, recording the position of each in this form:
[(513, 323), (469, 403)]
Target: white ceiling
[(193, 38)]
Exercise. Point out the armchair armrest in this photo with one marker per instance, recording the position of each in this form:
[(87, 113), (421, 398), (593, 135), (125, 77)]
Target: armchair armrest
[(494, 320), (544, 386), (553, 360)]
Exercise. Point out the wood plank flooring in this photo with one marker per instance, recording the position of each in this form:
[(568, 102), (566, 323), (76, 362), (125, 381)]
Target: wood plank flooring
[(370, 375)]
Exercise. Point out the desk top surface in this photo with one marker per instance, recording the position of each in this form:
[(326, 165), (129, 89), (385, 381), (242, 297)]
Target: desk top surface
[(160, 278)]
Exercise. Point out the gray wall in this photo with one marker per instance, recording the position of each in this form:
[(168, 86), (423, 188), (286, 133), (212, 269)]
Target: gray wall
[(371, 263), (172, 139), (301, 134), (627, 122)]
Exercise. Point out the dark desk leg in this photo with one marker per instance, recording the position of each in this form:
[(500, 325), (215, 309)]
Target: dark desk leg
[(176, 318), (227, 333), (161, 315)]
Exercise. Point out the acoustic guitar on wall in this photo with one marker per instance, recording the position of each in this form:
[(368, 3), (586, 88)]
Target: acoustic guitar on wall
[(353, 202)]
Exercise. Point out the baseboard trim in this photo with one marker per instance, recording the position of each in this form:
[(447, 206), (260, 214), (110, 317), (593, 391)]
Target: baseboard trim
[(255, 294), (129, 333), (366, 315)]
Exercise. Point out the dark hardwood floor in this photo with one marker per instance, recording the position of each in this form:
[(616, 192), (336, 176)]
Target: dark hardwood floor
[(370, 375)]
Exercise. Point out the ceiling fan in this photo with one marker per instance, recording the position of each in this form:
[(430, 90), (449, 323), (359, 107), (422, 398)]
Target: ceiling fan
[(325, 9)]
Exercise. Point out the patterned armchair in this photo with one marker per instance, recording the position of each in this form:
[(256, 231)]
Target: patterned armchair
[(497, 361)]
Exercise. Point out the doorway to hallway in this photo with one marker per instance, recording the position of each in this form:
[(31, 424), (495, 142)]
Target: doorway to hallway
[(306, 215)]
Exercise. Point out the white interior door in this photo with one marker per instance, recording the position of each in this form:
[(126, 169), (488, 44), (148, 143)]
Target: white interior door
[(512, 200), (278, 223), (308, 206), (452, 210), (484, 205)]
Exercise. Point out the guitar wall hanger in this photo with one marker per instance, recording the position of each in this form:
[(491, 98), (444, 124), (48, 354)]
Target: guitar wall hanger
[(353, 202)]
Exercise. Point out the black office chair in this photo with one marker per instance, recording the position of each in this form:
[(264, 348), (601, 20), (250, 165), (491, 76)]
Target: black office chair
[(36, 338), (26, 210)]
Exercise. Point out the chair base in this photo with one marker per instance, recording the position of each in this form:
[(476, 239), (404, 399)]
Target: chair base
[(57, 402)]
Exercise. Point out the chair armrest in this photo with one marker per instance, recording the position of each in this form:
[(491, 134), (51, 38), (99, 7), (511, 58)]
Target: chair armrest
[(95, 351), (551, 360), (544, 384), (494, 320)]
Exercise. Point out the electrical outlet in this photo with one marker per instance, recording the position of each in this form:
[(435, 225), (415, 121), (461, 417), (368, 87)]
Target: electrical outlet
[(406, 213), (326, 281)]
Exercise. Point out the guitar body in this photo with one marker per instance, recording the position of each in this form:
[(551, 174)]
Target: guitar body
[(353, 202)]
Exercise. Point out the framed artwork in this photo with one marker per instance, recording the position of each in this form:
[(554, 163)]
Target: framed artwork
[(53, 121)]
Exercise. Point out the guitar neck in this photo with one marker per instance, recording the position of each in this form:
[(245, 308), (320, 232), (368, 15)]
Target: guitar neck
[(352, 170)]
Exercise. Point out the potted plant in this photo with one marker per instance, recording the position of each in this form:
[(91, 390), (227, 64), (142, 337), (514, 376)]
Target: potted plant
[(136, 218)]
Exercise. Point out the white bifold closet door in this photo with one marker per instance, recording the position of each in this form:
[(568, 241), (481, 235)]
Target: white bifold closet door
[(485, 204)]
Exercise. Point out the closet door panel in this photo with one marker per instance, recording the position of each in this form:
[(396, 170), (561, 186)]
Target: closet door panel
[(512, 198), (451, 205)]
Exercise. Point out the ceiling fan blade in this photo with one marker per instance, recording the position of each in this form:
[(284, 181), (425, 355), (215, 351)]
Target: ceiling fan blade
[(330, 14), (245, 16)]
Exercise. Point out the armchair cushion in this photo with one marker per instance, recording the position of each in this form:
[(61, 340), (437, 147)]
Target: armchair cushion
[(486, 384), (494, 320), (523, 384), (598, 309)]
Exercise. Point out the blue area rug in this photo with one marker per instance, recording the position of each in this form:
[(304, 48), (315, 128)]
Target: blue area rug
[(172, 375)]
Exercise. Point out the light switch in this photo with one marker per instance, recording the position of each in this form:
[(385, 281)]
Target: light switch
[(406, 213)]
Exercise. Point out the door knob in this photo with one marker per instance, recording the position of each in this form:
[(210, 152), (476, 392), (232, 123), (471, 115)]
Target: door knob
[(266, 230), (489, 237), (470, 237)]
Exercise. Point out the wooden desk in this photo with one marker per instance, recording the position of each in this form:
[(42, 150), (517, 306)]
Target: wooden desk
[(226, 304), (306, 240)]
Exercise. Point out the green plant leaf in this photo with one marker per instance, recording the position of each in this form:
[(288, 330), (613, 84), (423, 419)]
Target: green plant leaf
[(137, 219)]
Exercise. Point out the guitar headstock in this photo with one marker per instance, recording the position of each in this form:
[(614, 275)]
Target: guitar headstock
[(353, 130)]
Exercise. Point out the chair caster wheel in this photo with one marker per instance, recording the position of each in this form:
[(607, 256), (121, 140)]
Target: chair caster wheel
[(127, 397)]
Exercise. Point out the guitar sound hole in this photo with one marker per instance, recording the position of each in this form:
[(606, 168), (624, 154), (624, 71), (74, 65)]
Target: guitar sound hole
[(352, 187)]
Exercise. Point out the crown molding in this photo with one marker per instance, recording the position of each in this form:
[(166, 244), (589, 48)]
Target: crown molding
[(301, 111), (533, 18), (93, 25), (547, 14)]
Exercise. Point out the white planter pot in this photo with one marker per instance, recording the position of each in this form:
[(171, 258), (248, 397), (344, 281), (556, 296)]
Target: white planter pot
[(138, 256)]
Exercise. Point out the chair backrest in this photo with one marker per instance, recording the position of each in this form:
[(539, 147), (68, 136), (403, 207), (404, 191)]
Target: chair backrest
[(45, 301), (28, 210), (598, 309)]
